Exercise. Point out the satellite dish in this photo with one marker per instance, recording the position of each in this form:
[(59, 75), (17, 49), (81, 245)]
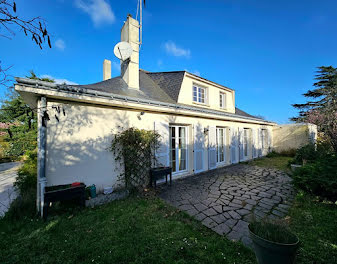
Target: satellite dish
[(123, 50)]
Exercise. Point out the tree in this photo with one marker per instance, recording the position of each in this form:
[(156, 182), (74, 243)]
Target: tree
[(19, 122), (321, 109), (11, 22)]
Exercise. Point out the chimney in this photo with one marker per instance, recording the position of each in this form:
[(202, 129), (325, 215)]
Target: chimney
[(106, 70), (130, 67)]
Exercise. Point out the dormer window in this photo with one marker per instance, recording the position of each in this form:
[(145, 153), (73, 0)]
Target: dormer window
[(222, 100), (199, 94)]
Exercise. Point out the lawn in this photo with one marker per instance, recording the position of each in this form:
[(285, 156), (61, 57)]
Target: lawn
[(314, 221), (277, 162), (136, 230), (146, 230)]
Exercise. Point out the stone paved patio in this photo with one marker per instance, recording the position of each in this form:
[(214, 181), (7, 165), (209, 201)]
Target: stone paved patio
[(226, 199)]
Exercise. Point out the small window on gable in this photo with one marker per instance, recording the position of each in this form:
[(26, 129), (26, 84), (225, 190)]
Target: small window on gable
[(222, 100), (199, 94)]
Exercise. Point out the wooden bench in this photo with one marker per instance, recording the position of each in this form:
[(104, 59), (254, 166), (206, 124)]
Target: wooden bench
[(63, 193), (158, 173)]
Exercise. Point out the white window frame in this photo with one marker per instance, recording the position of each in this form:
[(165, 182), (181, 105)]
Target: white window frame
[(222, 100), (197, 94), (176, 170), (218, 153)]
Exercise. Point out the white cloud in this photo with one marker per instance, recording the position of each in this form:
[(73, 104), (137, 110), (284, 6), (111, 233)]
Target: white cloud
[(196, 72), (173, 49), (60, 44), (99, 11), (58, 81)]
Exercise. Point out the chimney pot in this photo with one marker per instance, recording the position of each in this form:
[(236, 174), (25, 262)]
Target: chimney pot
[(106, 69)]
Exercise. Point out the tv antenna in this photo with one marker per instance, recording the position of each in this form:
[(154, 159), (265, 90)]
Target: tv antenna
[(140, 11)]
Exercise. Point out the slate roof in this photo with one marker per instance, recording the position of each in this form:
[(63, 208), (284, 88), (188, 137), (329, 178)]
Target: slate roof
[(157, 86)]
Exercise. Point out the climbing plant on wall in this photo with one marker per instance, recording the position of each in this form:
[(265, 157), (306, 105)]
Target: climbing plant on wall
[(135, 150)]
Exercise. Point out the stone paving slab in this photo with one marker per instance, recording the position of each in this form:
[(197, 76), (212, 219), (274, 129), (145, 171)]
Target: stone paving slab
[(226, 199)]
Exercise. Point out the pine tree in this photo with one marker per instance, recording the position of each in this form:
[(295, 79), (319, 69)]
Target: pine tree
[(321, 108)]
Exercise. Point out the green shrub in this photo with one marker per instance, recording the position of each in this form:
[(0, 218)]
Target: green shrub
[(24, 206), (318, 177), (27, 174)]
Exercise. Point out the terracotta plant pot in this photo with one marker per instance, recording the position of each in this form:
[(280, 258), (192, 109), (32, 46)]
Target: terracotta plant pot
[(268, 252)]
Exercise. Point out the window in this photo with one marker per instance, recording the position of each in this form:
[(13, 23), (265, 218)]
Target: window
[(199, 94), (178, 148), (221, 143), (246, 141), (222, 100)]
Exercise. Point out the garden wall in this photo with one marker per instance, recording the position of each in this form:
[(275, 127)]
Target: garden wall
[(293, 136)]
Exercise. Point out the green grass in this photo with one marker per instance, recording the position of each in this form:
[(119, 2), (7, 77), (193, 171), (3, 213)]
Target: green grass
[(313, 220), (136, 230), (277, 162), (315, 223)]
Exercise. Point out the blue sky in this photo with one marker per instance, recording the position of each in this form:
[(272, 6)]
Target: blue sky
[(267, 51)]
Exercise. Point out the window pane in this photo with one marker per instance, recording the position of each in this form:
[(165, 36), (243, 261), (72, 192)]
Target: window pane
[(182, 164)]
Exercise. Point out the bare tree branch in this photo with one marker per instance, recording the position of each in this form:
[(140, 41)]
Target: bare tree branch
[(34, 27)]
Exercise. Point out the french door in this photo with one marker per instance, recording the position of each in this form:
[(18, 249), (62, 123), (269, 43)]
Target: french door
[(221, 145), (178, 148)]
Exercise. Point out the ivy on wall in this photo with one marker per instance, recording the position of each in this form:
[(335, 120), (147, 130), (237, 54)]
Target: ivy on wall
[(135, 149)]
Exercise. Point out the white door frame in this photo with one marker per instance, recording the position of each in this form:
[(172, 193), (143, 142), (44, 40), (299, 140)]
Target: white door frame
[(176, 171)]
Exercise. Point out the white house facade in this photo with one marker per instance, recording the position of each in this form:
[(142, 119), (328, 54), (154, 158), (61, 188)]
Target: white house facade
[(200, 127)]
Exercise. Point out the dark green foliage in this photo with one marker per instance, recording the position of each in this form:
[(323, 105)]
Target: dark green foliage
[(24, 206), (21, 132), (33, 76), (135, 149), (27, 174), (276, 231), (318, 177), (324, 94)]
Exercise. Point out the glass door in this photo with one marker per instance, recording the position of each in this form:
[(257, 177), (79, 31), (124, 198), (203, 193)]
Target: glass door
[(221, 142), (178, 148)]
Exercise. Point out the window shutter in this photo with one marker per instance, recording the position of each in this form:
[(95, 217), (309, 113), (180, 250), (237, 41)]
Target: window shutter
[(241, 138), (162, 153), (212, 147), (199, 139), (259, 136), (233, 140), (269, 140), (254, 143)]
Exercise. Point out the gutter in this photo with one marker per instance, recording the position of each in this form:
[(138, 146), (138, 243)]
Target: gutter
[(98, 94)]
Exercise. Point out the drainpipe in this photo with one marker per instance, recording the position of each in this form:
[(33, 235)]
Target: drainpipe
[(41, 158)]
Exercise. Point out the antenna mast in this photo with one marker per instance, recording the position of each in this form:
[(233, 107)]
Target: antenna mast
[(140, 9)]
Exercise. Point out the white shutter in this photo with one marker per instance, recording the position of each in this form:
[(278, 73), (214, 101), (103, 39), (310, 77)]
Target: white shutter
[(254, 143), (269, 140), (212, 147), (199, 139), (233, 140), (162, 153), (241, 138), (259, 136)]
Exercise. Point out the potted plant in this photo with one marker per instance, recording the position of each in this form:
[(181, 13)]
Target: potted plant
[(273, 242)]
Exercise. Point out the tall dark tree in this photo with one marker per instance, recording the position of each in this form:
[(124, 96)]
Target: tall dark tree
[(321, 107)]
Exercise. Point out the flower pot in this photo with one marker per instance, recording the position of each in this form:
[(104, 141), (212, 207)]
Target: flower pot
[(268, 252)]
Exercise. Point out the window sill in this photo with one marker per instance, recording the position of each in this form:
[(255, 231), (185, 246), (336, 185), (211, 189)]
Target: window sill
[(203, 104)]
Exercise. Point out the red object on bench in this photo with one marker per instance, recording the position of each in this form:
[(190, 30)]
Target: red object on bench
[(75, 184)]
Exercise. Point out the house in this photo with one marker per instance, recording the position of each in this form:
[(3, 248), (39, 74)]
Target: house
[(200, 127)]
